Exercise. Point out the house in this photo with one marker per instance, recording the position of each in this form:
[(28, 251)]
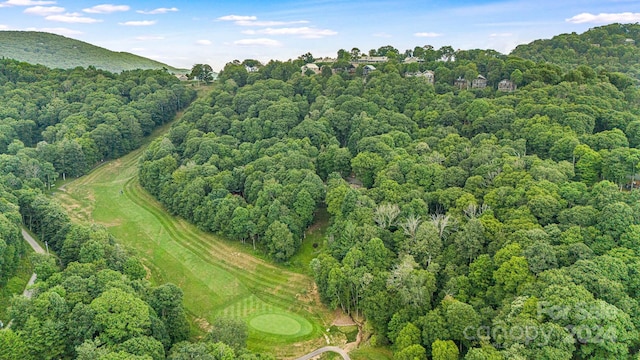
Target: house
[(182, 77), (461, 83), (479, 83), (252, 69), (370, 60), (427, 74), (629, 41), (412, 59), (367, 69), (507, 85), (310, 67), (351, 69)]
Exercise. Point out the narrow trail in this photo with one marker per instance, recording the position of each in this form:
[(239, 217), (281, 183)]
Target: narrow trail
[(38, 249), (323, 350)]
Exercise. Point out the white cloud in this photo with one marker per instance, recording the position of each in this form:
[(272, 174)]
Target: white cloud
[(305, 32), (56, 30), (237, 18), (72, 18), (44, 10), (158, 11), (257, 42), (427, 34), (25, 3), (106, 9), (500, 35), (139, 23), (203, 42), (138, 49), (149, 37), (602, 18), (268, 23), (4, 27)]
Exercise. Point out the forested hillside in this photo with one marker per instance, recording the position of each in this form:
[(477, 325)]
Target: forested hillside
[(93, 300), (614, 48), (458, 217), (73, 119), (97, 304), (56, 51)]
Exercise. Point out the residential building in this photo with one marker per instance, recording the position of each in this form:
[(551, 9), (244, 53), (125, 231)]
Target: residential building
[(507, 85), (461, 83), (310, 67), (367, 69), (427, 74), (370, 60), (350, 68), (479, 83), (412, 59)]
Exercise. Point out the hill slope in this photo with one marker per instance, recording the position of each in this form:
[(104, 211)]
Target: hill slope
[(613, 47), (56, 51)]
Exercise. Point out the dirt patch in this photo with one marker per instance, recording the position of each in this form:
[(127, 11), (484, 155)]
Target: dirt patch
[(315, 226), (147, 276), (342, 319), (203, 324), (310, 298)]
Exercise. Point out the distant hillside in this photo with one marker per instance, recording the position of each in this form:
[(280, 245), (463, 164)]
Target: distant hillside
[(613, 47), (57, 51)]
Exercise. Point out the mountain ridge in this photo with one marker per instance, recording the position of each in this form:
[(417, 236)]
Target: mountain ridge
[(57, 51)]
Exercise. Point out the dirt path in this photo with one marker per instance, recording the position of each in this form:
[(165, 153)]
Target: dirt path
[(38, 249), (323, 350)]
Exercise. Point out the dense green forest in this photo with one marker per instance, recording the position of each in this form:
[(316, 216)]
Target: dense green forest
[(611, 47), (475, 224), (56, 51), (55, 123), (464, 223), (92, 301)]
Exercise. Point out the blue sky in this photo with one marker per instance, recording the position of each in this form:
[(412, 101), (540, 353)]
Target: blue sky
[(182, 33)]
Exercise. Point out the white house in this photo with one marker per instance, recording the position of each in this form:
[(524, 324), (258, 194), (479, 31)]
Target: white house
[(312, 67)]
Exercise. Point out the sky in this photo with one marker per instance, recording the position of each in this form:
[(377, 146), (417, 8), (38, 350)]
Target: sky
[(183, 33)]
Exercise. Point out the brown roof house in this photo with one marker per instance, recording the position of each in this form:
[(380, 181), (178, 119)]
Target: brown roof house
[(507, 85), (479, 83)]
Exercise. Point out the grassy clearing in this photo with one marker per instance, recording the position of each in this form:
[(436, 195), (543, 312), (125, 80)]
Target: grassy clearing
[(312, 244), (218, 277), (15, 285), (350, 332), (371, 353)]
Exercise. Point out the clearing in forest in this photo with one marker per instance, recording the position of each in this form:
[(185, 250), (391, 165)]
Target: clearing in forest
[(218, 277)]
